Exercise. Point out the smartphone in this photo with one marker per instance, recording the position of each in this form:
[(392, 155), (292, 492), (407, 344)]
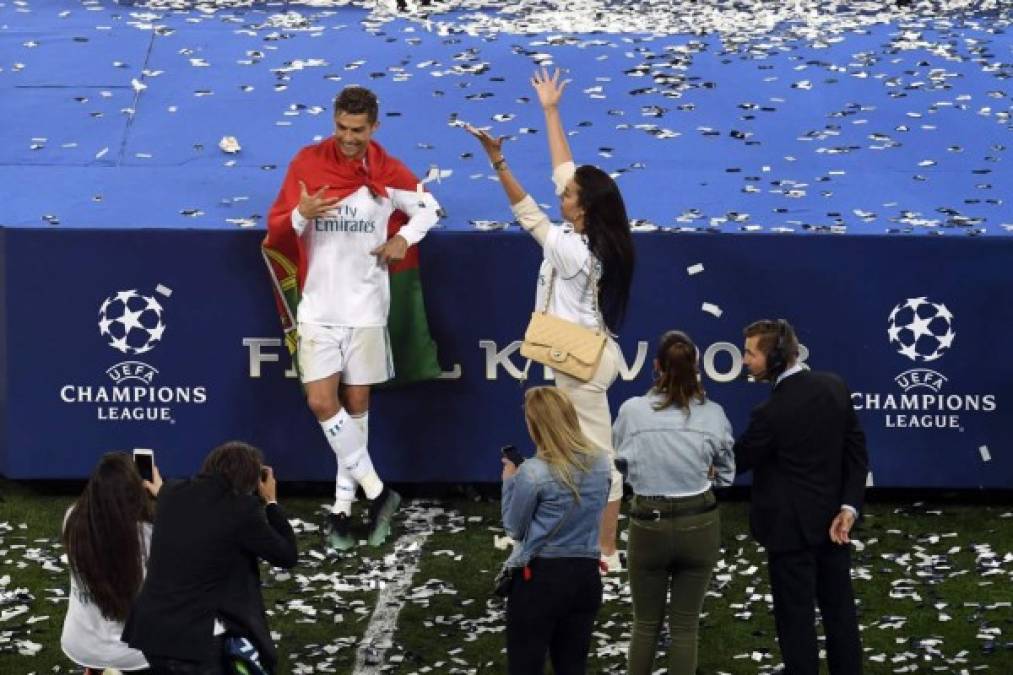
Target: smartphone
[(512, 454), (145, 461), (622, 466)]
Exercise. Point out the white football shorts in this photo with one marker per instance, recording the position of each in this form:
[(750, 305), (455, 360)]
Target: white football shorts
[(359, 355)]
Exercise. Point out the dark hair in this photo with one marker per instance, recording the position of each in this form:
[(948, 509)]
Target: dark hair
[(608, 237), (102, 535), (239, 463), (356, 100), (678, 377), (770, 333)]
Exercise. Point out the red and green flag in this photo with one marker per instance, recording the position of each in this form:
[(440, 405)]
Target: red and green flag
[(322, 164)]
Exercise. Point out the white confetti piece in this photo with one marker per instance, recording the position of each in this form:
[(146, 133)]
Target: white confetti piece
[(712, 309), (502, 543), (229, 144), (489, 225)]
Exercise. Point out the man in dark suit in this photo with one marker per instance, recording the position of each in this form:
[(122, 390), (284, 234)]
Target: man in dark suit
[(203, 582), (807, 453)]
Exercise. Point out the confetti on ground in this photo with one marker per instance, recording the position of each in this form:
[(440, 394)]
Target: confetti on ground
[(932, 585)]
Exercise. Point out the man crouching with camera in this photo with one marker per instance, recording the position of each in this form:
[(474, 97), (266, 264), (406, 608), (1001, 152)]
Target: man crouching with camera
[(200, 607)]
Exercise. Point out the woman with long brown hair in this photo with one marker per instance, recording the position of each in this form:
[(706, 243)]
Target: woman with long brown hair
[(106, 533), (552, 506), (677, 444), (586, 272)]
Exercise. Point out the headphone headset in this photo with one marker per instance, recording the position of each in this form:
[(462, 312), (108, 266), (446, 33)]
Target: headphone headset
[(777, 357)]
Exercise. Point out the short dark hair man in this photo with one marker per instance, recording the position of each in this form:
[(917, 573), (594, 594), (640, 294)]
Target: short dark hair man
[(339, 201), (807, 453)]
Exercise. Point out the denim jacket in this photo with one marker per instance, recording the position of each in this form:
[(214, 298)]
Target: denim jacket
[(669, 451), (534, 503)]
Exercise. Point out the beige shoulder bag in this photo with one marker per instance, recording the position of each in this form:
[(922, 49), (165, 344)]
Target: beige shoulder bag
[(563, 345)]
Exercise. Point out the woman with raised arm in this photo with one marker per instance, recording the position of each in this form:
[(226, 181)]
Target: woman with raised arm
[(587, 268)]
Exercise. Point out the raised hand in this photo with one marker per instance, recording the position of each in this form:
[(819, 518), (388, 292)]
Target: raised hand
[(549, 89), (509, 468), (315, 205), (155, 484), (267, 487), (492, 146)]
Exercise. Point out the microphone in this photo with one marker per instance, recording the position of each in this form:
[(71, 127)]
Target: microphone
[(749, 377), (765, 376)]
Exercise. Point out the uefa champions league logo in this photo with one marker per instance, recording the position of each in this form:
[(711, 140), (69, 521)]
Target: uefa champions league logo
[(920, 329), (133, 323)]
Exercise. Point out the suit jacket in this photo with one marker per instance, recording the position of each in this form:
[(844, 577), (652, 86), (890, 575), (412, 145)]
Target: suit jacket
[(808, 457), (203, 564)]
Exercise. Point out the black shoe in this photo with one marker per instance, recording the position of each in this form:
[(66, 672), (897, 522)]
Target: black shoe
[(339, 532), (381, 512)]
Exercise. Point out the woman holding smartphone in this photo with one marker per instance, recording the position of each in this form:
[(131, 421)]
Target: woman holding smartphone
[(107, 535), (552, 506), (676, 443), (587, 270)]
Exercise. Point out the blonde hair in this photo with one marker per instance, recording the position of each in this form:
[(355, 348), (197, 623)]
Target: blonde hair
[(554, 427)]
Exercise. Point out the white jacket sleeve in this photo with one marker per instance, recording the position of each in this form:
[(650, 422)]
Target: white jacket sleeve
[(422, 210)]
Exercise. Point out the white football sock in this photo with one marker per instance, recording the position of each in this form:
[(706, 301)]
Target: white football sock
[(349, 445), (344, 491), (370, 482)]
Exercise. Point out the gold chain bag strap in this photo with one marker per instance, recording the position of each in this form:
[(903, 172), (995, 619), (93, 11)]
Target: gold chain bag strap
[(563, 345)]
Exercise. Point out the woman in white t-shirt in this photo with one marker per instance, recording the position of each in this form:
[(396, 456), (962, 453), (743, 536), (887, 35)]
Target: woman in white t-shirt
[(106, 532), (589, 266)]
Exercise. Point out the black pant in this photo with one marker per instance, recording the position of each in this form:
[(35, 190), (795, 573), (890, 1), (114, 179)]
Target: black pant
[(213, 666), (176, 667), (799, 580), (553, 612)]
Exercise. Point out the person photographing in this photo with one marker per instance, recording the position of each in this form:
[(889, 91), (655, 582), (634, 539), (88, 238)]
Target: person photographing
[(202, 594), (552, 505), (107, 536)]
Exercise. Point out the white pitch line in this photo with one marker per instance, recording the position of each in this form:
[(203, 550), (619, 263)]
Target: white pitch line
[(380, 631)]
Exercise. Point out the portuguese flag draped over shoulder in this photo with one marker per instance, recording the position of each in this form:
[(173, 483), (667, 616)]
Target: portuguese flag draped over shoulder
[(322, 164)]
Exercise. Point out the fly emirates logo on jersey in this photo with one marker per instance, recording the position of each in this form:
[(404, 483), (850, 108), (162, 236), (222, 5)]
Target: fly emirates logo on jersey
[(345, 218), (133, 324)]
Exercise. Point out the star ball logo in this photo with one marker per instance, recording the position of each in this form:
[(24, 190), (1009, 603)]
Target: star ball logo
[(133, 323), (922, 331)]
